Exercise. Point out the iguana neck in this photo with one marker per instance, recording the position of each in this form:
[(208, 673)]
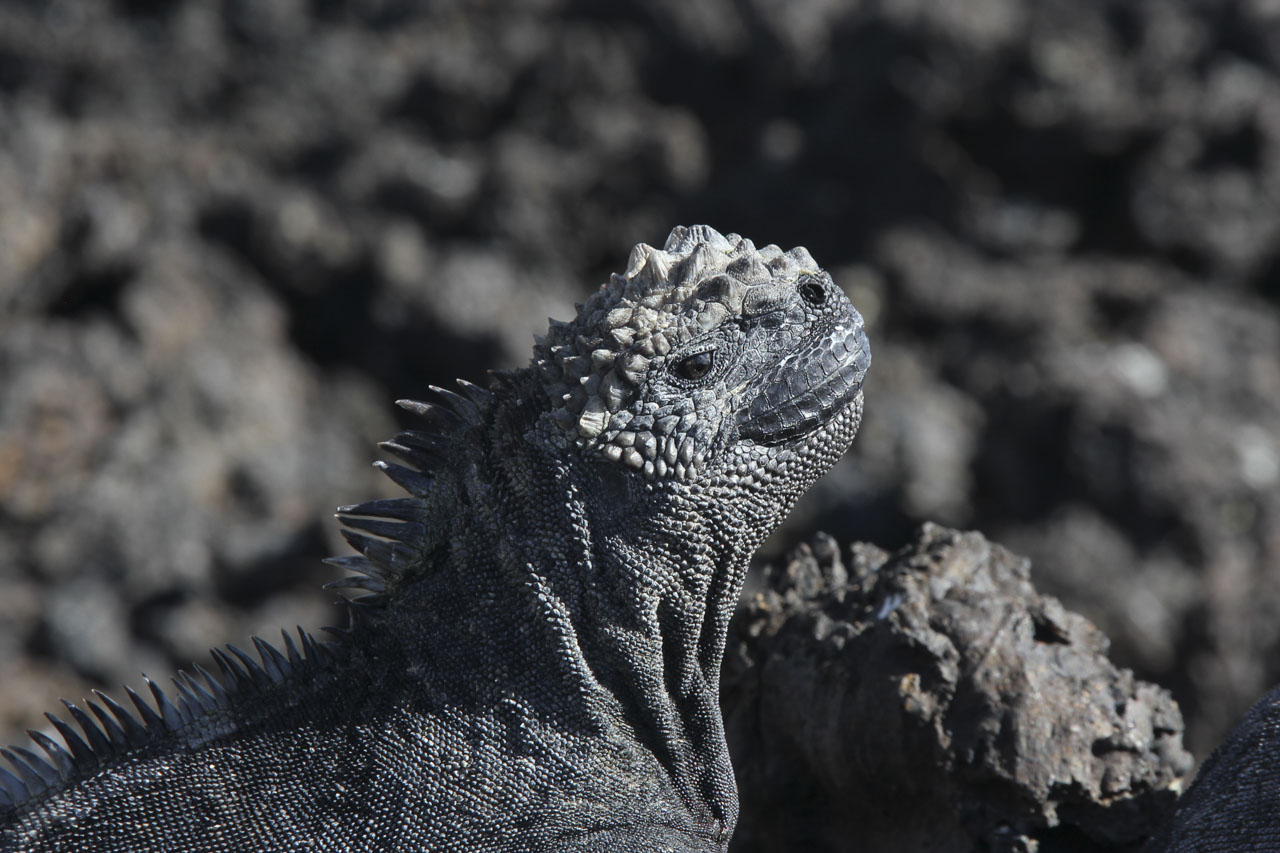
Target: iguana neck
[(619, 591)]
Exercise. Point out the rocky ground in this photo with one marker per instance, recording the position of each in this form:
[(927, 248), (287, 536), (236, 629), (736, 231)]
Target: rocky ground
[(931, 699), (232, 232)]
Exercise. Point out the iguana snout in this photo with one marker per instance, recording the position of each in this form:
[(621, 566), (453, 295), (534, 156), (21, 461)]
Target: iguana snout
[(821, 356)]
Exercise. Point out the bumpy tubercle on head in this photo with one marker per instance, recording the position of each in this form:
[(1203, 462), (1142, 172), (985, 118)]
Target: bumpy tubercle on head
[(593, 366)]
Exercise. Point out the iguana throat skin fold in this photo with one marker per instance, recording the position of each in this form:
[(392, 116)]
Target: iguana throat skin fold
[(536, 663)]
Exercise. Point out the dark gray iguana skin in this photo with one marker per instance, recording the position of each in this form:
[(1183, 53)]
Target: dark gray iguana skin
[(1234, 804), (536, 666)]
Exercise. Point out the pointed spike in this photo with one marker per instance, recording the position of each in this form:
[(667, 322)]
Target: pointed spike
[(120, 726), (340, 633), (357, 582), (503, 383), (81, 752), (401, 509), (417, 460), (479, 396), (236, 675), (418, 407), (423, 460), (291, 649), (59, 759), (215, 688), (394, 530), (276, 664), (309, 646), (408, 532), (13, 789), (351, 610), (256, 672), (46, 770), (372, 600), (99, 743), (150, 717), (189, 704), (35, 773), (396, 556), (173, 718), (362, 566), (358, 611), (360, 542), (435, 413), (466, 409), (432, 442), (351, 563), (194, 694), (414, 482)]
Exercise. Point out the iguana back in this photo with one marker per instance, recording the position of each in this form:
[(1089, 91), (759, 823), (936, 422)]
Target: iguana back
[(535, 662), (1234, 803)]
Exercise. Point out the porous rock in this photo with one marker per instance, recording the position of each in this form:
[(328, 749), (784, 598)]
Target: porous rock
[(931, 699)]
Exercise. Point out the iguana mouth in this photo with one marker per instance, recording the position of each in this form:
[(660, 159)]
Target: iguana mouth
[(807, 390)]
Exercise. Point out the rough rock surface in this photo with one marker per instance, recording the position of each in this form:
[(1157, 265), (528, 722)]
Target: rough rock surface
[(1058, 216), (931, 699)]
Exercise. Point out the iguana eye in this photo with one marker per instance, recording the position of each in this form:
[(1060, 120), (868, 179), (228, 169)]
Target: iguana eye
[(696, 366), (813, 292)]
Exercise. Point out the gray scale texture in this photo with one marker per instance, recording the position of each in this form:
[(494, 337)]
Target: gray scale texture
[(534, 662), (1234, 804)]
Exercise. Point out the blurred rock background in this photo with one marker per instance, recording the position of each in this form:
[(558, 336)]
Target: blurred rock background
[(232, 232)]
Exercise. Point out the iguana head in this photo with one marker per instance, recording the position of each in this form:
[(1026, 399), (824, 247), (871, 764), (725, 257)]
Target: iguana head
[(710, 362), (711, 382)]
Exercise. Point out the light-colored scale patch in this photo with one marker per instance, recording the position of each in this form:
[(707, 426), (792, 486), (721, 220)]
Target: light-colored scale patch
[(596, 366)]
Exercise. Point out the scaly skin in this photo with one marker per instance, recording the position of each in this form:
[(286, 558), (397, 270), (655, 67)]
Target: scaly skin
[(536, 666), (1234, 803)]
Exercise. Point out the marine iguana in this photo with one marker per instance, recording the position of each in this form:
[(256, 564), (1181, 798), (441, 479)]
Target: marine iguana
[(534, 662)]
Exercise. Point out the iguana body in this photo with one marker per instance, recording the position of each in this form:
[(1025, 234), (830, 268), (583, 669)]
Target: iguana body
[(537, 665), (1234, 804)]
